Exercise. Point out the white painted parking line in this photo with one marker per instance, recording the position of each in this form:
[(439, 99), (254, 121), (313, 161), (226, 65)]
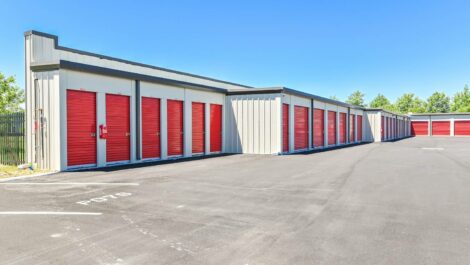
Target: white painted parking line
[(72, 183), (432, 148), (50, 213)]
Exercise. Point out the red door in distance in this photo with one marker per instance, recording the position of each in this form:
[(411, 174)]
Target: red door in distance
[(175, 127), (285, 128), (318, 128), (198, 127), (331, 127), (216, 128), (151, 128), (300, 127)]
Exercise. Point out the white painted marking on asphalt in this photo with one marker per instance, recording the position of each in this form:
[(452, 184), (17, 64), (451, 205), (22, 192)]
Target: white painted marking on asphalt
[(49, 213), (432, 148), (72, 183), (180, 206)]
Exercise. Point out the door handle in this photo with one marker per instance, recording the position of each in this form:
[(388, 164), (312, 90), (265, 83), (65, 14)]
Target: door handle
[(158, 134), (93, 134), (127, 134)]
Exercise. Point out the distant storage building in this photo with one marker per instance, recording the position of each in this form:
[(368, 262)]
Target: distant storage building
[(90, 110), (440, 124)]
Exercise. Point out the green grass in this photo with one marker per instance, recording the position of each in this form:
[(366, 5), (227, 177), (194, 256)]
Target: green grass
[(13, 171)]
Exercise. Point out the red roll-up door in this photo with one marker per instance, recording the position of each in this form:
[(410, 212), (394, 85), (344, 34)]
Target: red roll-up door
[(118, 121), (216, 128), (359, 128), (285, 127), (382, 128), (198, 141), (389, 131), (352, 128), (331, 127), (462, 128), (342, 128), (441, 128), (318, 128), (81, 128), (419, 128), (301, 127), (150, 128), (175, 127)]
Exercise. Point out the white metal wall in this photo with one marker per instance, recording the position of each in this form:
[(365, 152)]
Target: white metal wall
[(43, 50), (253, 124), (43, 120)]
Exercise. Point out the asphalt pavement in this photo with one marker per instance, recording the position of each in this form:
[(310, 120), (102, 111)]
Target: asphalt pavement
[(406, 202)]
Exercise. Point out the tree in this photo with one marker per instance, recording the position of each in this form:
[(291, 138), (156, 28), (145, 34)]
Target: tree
[(461, 101), (380, 101), (11, 96), (334, 98), (438, 102), (356, 98), (408, 102)]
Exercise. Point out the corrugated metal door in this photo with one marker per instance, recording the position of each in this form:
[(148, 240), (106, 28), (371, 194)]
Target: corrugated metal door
[(419, 128), (382, 128), (81, 128), (331, 127), (216, 128), (359, 128), (301, 127), (342, 128), (318, 128), (285, 127), (441, 128), (175, 127), (462, 128), (118, 122), (198, 127), (150, 127), (352, 128), (388, 128)]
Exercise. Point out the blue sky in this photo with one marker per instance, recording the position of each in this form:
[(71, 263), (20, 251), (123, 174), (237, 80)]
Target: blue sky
[(322, 47)]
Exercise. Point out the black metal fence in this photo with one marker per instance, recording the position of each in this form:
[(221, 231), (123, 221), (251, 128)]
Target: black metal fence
[(12, 139)]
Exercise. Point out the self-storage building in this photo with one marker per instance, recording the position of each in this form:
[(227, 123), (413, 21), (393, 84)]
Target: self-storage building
[(90, 110), (440, 124)]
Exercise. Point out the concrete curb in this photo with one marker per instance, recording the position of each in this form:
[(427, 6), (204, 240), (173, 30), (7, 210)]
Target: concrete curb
[(27, 176)]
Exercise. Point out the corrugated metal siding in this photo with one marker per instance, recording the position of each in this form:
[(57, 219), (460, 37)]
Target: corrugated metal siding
[(301, 128), (118, 123), (216, 128), (254, 124), (198, 127), (43, 102), (81, 128), (151, 143)]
